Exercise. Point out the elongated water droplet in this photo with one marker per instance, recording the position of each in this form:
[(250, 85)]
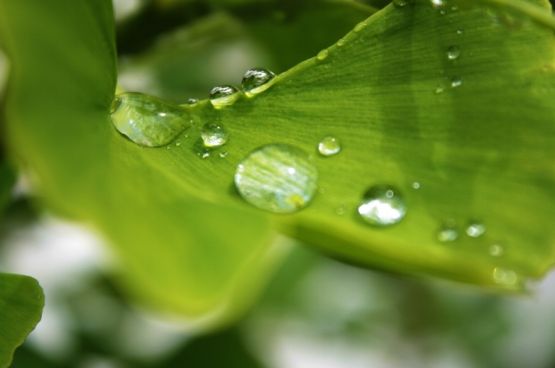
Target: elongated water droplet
[(453, 52), (475, 229), (496, 250), (329, 146), (382, 205), (256, 80), (147, 120), (505, 277), (278, 178), (322, 55), (213, 135), (222, 96), (448, 233), (456, 82)]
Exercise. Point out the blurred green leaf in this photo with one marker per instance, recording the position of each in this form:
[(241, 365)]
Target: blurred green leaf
[(21, 303), (181, 249), (7, 181)]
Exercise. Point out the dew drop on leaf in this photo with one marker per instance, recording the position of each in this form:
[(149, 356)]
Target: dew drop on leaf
[(456, 82), (279, 178), (400, 3), (505, 277), (322, 55), (256, 80), (329, 146), (475, 229), (192, 101), (382, 205), (147, 120), (496, 250), (213, 135), (453, 52), (448, 233), (416, 185), (223, 96)]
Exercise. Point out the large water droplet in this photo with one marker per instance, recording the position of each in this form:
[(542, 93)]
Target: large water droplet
[(448, 233), (453, 52), (147, 120), (213, 135), (475, 229), (256, 80), (278, 178), (382, 205), (329, 146), (222, 96)]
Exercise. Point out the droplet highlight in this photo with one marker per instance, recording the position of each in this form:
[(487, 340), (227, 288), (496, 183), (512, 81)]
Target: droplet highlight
[(256, 80), (223, 96), (329, 146), (213, 135), (400, 3), (382, 206), (279, 178), (147, 120), (456, 82), (475, 229), (453, 52), (448, 233)]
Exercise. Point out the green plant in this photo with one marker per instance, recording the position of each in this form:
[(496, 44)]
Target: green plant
[(447, 104)]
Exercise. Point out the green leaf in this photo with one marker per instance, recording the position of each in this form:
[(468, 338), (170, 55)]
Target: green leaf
[(180, 249), (21, 303), (7, 181), (480, 151)]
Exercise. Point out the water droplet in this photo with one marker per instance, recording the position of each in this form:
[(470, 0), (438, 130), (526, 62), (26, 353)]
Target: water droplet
[(223, 154), (382, 205), (322, 55), (341, 42), (416, 185), (192, 101), (460, 31), (475, 229), (496, 250), (222, 96), (456, 82), (360, 26), (400, 3), (438, 90), (278, 178), (329, 146), (505, 277), (213, 135), (448, 233), (437, 3), (453, 52), (147, 120), (256, 80)]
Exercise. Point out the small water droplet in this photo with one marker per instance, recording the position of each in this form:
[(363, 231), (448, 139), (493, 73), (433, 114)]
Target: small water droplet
[(453, 52), (400, 3), (475, 229), (256, 80), (460, 31), (192, 101), (329, 146), (448, 233), (382, 205), (496, 250), (416, 185), (223, 154), (505, 277), (360, 26), (341, 42), (322, 55), (437, 3), (279, 178), (439, 90), (456, 82), (213, 135), (223, 96), (147, 120)]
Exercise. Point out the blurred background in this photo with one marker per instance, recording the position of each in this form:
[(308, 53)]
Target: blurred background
[(317, 312)]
